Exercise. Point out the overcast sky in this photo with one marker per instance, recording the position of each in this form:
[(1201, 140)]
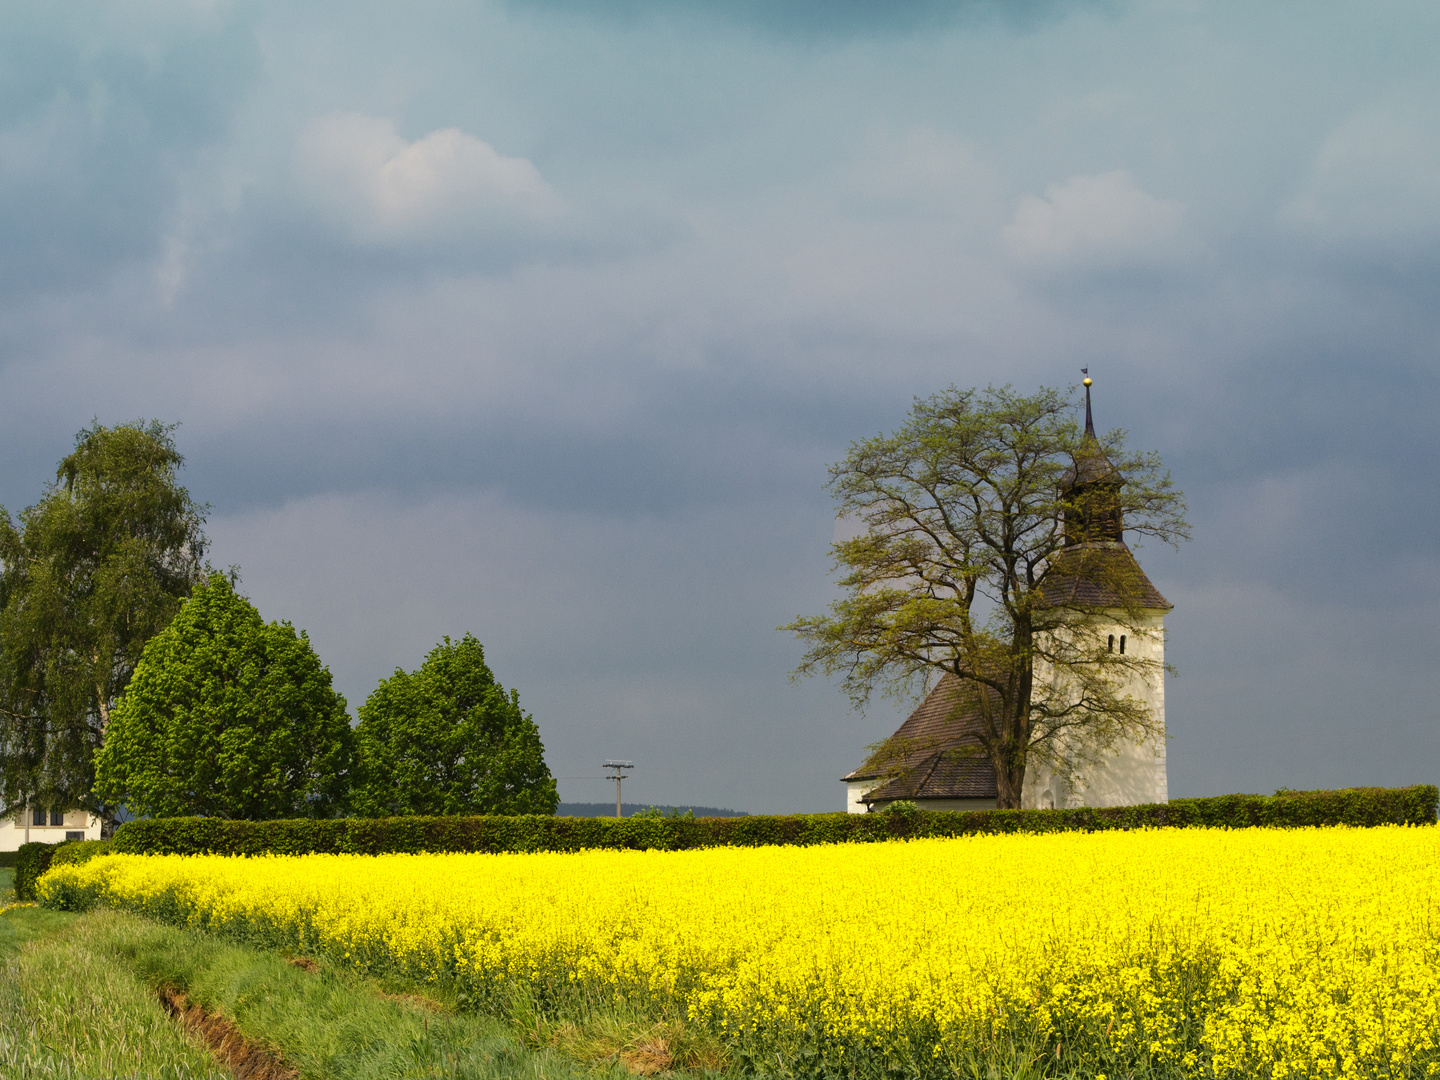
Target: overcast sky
[(542, 320)]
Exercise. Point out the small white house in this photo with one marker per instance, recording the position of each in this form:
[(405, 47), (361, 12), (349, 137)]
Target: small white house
[(47, 827)]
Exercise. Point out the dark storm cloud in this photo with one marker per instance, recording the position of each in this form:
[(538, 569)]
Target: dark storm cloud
[(692, 440), (93, 137), (544, 320), (823, 19)]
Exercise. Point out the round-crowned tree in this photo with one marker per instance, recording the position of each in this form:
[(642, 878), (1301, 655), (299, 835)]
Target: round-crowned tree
[(228, 716), (448, 739)]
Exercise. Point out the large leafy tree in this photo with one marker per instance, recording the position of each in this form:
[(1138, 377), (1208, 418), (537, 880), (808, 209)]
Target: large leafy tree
[(87, 576), (990, 540), (228, 716), (448, 739)]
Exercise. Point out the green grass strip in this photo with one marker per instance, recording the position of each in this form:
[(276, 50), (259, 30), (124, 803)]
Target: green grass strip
[(327, 1024), (69, 1012), (29, 923)]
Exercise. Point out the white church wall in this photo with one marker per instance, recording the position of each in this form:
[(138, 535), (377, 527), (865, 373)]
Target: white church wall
[(1132, 773)]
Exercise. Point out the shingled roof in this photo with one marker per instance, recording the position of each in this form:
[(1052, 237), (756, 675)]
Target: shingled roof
[(1100, 575), (939, 757), (940, 776), (1090, 466)]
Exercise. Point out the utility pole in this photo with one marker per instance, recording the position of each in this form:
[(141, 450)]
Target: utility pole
[(617, 769)]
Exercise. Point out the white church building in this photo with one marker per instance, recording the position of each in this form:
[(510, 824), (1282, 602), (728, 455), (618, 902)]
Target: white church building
[(939, 766)]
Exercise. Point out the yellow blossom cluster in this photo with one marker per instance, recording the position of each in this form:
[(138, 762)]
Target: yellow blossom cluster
[(1275, 953)]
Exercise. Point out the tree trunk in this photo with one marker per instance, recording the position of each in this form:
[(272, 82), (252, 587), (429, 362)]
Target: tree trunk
[(107, 815), (1015, 743), (102, 705), (1009, 783)]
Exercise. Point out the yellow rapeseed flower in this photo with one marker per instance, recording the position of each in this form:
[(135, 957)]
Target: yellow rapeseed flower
[(1276, 953)]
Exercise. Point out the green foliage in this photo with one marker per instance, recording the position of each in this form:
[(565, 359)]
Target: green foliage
[(902, 808), (94, 569), (80, 851), (31, 860), (447, 740), (375, 836), (656, 812), (7, 858), (229, 717)]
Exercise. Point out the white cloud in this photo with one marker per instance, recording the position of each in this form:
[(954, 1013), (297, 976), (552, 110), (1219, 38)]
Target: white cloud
[(1376, 177), (1106, 219), (369, 180)]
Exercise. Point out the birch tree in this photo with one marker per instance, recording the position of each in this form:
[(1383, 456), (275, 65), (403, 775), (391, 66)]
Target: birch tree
[(88, 575)]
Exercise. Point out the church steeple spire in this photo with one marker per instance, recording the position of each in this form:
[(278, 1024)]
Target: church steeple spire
[(1089, 420), (1091, 488)]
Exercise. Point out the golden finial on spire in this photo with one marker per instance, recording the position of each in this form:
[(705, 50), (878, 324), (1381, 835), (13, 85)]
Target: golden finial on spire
[(1089, 423)]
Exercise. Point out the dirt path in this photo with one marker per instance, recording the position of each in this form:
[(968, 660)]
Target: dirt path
[(246, 1059)]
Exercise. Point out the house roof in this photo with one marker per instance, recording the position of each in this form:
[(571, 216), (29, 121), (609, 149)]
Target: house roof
[(940, 775), (938, 756), (1102, 574)]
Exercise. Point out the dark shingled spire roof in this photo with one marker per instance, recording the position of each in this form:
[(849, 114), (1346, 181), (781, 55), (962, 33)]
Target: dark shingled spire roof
[(1091, 465), (1095, 569)]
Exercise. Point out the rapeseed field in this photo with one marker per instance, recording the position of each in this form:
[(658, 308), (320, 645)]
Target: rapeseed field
[(1196, 953)]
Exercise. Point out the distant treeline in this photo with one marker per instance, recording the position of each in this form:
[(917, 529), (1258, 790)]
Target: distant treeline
[(628, 809)]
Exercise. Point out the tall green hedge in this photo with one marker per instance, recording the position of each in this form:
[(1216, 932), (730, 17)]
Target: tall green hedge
[(80, 851), (31, 860), (375, 836)]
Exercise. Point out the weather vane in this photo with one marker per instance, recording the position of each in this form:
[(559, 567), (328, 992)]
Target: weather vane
[(1086, 372)]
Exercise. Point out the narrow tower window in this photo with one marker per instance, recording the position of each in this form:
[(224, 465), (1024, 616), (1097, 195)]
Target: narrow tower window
[(1112, 642), (1122, 643)]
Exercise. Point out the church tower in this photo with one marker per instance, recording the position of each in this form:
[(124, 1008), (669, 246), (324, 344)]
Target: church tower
[(1094, 524)]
